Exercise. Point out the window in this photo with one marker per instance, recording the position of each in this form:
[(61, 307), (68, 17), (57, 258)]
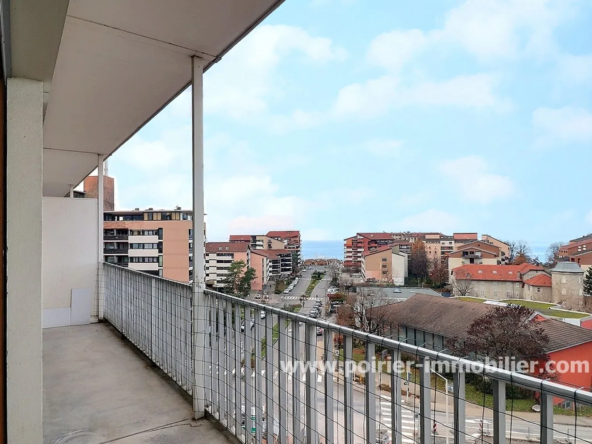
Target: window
[(563, 279), (539, 289), (160, 234), (563, 291), (384, 259), (160, 260)]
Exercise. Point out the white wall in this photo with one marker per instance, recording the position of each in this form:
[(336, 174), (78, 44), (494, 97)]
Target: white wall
[(24, 365), (70, 250)]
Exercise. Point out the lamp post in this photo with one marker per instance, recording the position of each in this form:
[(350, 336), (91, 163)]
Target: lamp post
[(446, 390)]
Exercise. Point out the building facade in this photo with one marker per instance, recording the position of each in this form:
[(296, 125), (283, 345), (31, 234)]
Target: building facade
[(567, 285), (291, 240), (219, 256), (385, 264), (157, 242)]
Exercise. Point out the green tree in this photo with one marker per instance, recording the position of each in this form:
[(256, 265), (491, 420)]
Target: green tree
[(232, 280), (588, 282), (246, 280)]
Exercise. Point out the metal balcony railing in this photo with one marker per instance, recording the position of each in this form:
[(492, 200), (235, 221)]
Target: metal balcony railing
[(274, 376)]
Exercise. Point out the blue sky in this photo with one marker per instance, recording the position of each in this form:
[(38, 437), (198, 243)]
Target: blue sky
[(338, 116)]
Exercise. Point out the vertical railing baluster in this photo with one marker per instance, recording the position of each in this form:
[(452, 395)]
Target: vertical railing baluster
[(396, 401), (248, 377), (269, 374), (296, 394), (425, 416), (348, 412), (258, 385), (370, 392), (282, 380), (220, 367), (328, 377), (499, 412), (311, 384), (546, 418), (238, 381), (459, 406)]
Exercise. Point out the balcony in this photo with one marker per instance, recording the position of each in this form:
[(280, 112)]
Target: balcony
[(164, 354), (115, 237), (112, 251)]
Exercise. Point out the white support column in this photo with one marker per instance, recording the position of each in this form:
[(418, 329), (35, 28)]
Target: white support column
[(100, 256), (198, 324), (71, 191), (24, 185)]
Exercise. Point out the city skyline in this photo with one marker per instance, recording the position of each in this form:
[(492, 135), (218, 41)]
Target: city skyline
[(410, 123)]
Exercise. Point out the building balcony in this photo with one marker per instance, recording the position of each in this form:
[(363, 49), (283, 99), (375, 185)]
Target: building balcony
[(113, 237), (153, 365), (114, 251)]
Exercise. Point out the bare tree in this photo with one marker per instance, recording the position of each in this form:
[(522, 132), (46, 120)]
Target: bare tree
[(519, 252), (419, 262), (511, 250), (438, 272), (369, 310), (553, 252), (504, 332), (462, 287)]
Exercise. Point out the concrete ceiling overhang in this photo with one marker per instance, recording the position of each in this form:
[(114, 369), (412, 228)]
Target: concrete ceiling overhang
[(119, 62)]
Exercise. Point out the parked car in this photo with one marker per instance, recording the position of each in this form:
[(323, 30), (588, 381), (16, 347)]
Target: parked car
[(286, 291), (319, 331), (262, 314), (258, 296)]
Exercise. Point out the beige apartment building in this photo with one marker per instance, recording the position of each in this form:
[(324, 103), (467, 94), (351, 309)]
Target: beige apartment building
[(385, 264), (258, 241), (157, 242), (261, 262), (475, 252), (219, 256)]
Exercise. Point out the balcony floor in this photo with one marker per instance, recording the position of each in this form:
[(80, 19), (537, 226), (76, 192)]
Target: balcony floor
[(98, 388)]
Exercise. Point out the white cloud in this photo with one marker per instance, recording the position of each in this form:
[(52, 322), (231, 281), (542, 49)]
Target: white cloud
[(384, 148), (498, 29), (378, 96), (576, 69), (430, 220), (245, 81), (474, 182), (393, 49), (567, 124)]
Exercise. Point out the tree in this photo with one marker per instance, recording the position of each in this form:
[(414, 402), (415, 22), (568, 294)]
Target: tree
[(246, 281), (438, 273), (588, 282), (553, 253), (238, 280), (366, 311), (418, 262), (519, 252), (504, 332), (462, 287)]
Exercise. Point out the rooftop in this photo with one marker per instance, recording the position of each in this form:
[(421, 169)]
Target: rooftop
[(493, 272), (540, 280), (452, 317), (567, 267), (284, 234), (240, 238), (231, 247)]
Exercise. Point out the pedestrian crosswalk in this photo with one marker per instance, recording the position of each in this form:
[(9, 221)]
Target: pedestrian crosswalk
[(407, 420), (291, 297)]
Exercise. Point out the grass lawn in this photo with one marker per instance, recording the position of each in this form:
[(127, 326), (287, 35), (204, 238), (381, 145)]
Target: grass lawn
[(311, 286), (547, 309), (470, 299)]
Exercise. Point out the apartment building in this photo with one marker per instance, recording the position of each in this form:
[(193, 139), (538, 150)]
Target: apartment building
[(262, 264), (385, 264), (437, 245), (157, 242), (281, 262), (258, 241), (219, 256), (475, 252), (578, 251), (291, 240)]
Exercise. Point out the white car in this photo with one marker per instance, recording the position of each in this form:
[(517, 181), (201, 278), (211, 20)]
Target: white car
[(286, 291), (262, 314)]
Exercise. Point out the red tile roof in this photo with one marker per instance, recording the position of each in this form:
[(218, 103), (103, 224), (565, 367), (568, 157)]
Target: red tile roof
[(493, 272), (465, 236), (376, 235), (379, 250), (240, 238), (540, 280), (272, 254), (226, 247), (284, 234)]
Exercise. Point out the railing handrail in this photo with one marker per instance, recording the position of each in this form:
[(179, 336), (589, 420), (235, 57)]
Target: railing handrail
[(146, 275), (526, 381)]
